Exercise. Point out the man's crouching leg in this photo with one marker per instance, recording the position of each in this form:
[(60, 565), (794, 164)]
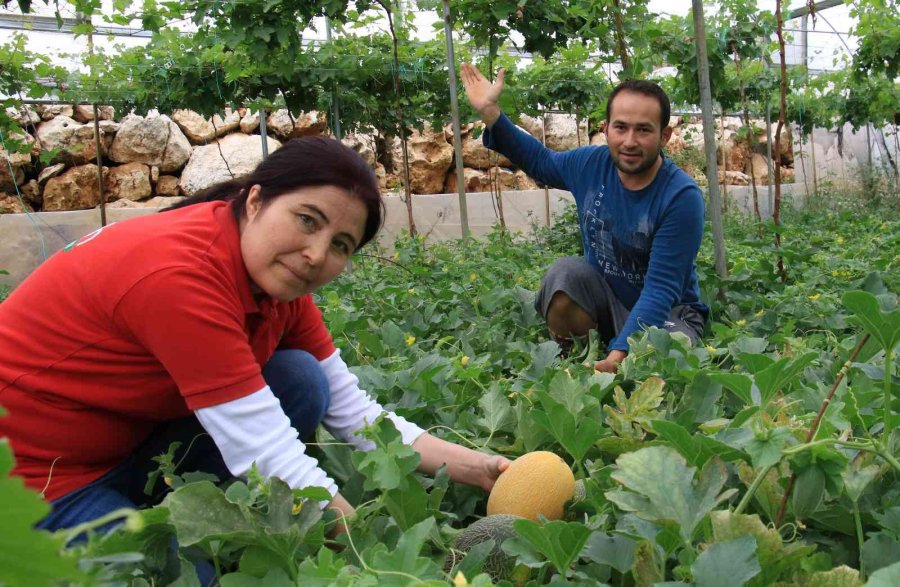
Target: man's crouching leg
[(575, 299)]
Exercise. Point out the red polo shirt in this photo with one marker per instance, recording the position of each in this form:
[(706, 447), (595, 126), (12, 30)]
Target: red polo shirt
[(137, 323)]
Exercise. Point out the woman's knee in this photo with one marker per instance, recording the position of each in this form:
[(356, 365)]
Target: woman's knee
[(299, 382)]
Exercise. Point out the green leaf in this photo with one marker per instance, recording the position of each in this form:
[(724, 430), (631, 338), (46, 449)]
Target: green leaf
[(561, 542), (200, 511), (633, 414), (766, 450), (880, 551), (697, 449), (809, 492), (726, 563), (28, 556), (274, 578), (740, 385), (497, 414), (615, 550), (661, 487), (387, 465), (405, 557), (885, 577), (883, 326), (576, 435), (856, 479), (780, 374)]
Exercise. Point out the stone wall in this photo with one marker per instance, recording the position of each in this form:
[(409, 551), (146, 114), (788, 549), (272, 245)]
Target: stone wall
[(153, 160)]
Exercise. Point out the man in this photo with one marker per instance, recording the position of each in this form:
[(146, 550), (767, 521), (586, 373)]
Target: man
[(641, 220)]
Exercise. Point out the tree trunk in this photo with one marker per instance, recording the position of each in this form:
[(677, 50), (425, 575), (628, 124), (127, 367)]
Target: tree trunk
[(620, 38), (402, 127)]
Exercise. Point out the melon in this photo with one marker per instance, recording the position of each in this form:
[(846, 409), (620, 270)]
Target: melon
[(538, 482), (498, 528)]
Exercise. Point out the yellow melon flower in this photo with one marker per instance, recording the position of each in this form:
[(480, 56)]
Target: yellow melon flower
[(410, 340)]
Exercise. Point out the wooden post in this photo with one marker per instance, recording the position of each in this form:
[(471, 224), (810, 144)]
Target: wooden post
[(709, 140), (457, 134)]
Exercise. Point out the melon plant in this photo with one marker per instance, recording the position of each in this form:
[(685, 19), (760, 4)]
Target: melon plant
[(537, 483), (498, 528)]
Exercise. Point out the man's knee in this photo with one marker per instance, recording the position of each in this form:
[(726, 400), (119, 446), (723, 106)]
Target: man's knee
[(565, 318)]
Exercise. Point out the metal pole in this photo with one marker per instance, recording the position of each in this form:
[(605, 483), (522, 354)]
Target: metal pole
[(709, 140), (99, 166), (263, 133), (457, 134)]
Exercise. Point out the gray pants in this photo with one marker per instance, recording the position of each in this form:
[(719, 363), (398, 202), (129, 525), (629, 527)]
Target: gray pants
[(587, 288)]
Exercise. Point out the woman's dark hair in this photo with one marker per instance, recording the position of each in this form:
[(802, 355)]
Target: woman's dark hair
[(299, 163)]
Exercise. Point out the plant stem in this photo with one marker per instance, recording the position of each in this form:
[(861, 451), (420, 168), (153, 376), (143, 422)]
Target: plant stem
[(888, 416), (745, 501), (859, 540), (844, 368), (73, 533)]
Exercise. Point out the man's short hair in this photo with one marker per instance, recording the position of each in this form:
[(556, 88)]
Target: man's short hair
[(646, 88)]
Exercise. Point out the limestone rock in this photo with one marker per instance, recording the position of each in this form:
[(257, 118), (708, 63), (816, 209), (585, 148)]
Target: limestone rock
[(155, 202), (85, 113), (154, 174), (31, 192), (49, 172), (197, 129), (15, 158), (477, 180), (9, 180), (250, 123), (599, 139), (562, 134), (108, 130), (130, 181), (154, 140), (364, 145), (74, 142), (10, 204), (523, 182), (310, 124), (76, 189), (167, 186), (787, 147), (675, 145), (760, 168), (733, 177), (430, 157), (475, 154), (24, 116), (49, 111), (227, 125), (693, 135), (281, 124), (206, 167)]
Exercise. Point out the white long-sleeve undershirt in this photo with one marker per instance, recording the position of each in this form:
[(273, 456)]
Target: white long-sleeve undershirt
[(254, 428)]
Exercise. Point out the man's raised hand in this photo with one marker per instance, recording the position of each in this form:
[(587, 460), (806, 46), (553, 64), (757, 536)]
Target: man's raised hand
[(482, 94)]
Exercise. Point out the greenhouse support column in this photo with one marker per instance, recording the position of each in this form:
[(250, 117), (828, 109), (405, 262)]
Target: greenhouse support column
[(769, 160), (709, 141), (99, 166), (335, 106), (544, 142), (457, 135), (262, 133)]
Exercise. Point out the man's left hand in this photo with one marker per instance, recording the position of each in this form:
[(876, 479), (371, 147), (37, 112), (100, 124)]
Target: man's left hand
[(611, 363)]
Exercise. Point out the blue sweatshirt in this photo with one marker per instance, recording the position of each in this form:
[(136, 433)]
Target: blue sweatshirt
[(643, 242)]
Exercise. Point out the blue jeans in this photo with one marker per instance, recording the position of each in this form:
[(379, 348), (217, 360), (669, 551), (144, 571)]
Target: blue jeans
[(295, 378)]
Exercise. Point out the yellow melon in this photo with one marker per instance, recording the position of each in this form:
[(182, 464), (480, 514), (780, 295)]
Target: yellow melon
[(538, 482)]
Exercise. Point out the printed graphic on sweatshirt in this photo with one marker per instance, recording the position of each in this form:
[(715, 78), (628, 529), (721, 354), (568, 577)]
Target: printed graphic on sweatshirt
[(622, 254)]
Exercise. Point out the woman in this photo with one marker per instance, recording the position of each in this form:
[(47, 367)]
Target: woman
[(199, 319)]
